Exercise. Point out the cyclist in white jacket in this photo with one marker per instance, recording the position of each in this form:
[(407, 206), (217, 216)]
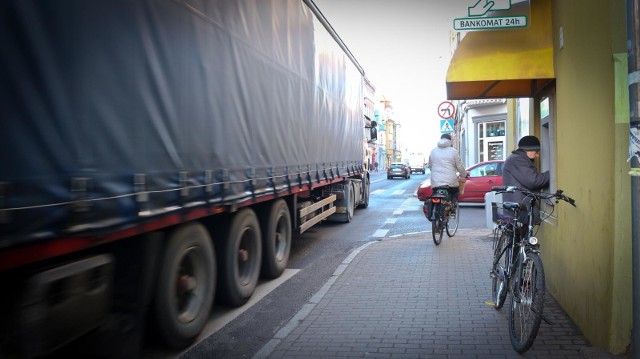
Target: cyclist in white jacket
[(446, 167)]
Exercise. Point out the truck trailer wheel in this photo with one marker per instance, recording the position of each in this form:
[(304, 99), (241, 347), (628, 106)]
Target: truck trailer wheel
[(241, 257), (366, 187), (351, 203), (275, 224), (185, 288)]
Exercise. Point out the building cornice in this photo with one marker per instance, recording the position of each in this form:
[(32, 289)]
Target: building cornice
[(470, 104)]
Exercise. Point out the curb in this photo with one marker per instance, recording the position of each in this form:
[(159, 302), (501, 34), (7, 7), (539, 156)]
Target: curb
[(294, 322)]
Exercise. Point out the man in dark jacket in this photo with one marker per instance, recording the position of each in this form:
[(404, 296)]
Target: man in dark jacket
[(519, 170)]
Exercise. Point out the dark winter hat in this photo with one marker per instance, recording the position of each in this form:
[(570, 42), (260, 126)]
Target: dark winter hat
[(447, 136), (529, 143)]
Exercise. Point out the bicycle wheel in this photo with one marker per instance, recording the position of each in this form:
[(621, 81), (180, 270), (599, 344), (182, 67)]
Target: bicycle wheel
[(437, 227), (527, 301), (454, 220), (501, 255)]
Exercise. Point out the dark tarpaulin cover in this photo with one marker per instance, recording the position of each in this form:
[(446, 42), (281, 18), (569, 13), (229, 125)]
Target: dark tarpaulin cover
[(118, 110)]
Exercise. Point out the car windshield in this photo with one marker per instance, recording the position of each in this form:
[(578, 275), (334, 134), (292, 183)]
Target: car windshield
[(397, 165)]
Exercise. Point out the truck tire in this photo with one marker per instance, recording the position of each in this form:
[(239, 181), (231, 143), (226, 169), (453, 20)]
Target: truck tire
[(351, 203), (240, 258), (185, 289), (275, 224), (366, 186)]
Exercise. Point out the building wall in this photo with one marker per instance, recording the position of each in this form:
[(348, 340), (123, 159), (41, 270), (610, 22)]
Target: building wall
[(369, 114), (587, 252), (384, 114), (381, 152)]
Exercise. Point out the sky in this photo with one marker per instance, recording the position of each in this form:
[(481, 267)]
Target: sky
[(404, 48)]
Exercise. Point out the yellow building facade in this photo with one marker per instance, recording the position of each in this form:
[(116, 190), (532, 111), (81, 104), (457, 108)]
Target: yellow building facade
[(571, 61)]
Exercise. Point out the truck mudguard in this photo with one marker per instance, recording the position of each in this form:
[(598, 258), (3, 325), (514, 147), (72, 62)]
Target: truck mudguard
[(115, 112)]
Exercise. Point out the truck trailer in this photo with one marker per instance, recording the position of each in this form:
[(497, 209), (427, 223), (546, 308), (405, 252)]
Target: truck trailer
[(157, 156)]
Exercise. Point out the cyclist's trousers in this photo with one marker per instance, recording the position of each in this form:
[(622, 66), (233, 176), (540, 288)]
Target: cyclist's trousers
[(453, 194)]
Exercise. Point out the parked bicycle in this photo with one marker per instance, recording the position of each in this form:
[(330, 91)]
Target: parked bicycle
[(517, 267), (443, 214)]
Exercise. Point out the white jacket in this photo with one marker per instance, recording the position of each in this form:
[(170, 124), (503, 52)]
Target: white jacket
[(446, 165)]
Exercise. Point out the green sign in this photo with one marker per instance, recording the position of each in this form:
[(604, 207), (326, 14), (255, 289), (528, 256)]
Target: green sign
[(494, 15), (489, 23), (544, 108)]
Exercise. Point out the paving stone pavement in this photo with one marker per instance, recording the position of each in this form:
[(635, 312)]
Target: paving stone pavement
[(406, 298)]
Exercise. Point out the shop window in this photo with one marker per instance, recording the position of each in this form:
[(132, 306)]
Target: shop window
[(491, 140)]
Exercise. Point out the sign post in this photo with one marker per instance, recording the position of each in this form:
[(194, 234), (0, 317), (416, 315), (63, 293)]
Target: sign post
[(446, 111)]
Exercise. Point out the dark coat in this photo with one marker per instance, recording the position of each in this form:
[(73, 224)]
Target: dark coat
[(520, 171)]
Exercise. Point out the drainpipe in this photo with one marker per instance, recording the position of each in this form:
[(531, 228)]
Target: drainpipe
[(633, 52)]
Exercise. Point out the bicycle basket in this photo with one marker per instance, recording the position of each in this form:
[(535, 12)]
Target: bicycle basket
[(500, 214)]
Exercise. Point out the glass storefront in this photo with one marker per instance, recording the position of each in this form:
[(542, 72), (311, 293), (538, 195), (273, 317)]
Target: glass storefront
[(491, 140)]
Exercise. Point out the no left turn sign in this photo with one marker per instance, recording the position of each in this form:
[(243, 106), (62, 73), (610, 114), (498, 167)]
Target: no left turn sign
[(446, 109)]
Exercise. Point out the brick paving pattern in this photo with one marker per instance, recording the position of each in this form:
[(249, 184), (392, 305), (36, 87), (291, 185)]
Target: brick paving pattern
[(407, 298)]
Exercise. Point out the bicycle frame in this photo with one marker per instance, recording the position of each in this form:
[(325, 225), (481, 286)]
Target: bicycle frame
[(518, 245), (509, 251), (523, 274)]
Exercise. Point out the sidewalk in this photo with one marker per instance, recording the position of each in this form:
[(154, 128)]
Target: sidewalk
[(406, 298)]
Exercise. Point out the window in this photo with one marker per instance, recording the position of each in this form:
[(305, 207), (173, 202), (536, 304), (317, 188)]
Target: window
[(491, 140), (489, 169)]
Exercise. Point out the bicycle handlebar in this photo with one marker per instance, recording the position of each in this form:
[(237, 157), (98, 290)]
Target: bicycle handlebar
[(558, 195)]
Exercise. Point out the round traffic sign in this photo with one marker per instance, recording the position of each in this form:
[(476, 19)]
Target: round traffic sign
[(446, 109)]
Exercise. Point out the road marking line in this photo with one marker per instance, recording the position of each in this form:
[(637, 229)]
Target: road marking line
[(380, 233), (299, 317), (219, 317)]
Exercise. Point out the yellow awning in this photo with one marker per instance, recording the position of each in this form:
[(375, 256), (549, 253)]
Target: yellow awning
[(504, 63)]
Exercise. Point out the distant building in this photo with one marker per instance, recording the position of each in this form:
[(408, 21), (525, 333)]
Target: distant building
[(369, 114), (388, 129)]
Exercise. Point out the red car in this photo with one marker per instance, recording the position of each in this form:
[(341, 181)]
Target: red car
[(482, 177)]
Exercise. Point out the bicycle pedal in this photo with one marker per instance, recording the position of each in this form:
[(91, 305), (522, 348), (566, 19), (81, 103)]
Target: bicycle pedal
[(490, 303)]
